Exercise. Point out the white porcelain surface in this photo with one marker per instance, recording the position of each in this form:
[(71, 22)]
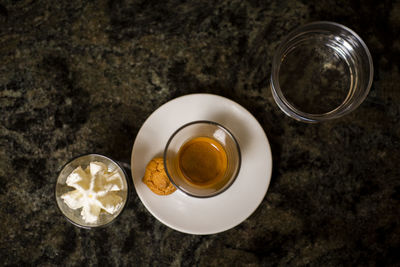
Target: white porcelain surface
[(222, 212)]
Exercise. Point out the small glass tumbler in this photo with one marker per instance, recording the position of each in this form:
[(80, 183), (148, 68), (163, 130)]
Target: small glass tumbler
[(74, 215), (321, 71), (211, 130)]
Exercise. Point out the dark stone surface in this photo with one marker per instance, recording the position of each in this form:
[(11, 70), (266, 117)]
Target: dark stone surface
[(82, 76)]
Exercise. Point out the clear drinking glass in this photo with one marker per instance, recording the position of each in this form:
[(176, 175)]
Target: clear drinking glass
[(321, 71), (202, 129), (74, 216)]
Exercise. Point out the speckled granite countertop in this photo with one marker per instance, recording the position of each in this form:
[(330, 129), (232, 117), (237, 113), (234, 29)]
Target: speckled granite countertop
[(82, 76)]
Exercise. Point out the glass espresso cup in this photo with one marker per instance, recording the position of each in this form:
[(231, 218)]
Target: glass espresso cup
[(202, 158)]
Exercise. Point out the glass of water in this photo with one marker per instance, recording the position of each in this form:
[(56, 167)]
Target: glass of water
[(321, 71)]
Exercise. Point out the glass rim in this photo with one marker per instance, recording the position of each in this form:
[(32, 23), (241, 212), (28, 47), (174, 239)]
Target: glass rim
[(125, 202), (288, 108), (231, 181)]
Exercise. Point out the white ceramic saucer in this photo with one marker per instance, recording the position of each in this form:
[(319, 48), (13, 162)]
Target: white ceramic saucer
[(224, 211)]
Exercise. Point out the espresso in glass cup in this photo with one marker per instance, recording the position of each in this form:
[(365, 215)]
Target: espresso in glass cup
[(202, 158)]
